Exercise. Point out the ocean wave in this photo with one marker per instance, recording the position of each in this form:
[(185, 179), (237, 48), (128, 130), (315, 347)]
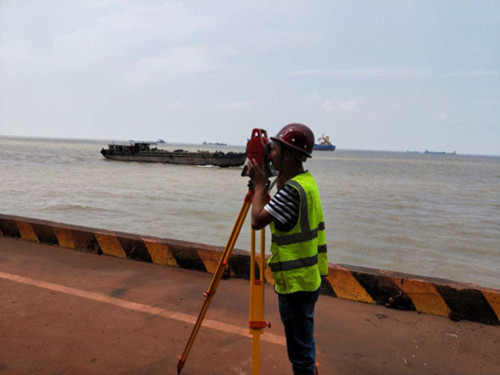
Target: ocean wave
[(72, 207)]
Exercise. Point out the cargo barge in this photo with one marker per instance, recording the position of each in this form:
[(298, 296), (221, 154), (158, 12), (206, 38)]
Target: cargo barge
[(148, 152)]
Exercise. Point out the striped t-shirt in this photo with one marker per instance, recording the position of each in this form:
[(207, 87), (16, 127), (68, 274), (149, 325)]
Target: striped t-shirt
[(284, 208)]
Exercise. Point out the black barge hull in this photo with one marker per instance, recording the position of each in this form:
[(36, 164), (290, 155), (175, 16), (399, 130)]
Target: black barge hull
[(219, 159)]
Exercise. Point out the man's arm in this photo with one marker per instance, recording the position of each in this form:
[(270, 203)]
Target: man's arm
[(260, 217)]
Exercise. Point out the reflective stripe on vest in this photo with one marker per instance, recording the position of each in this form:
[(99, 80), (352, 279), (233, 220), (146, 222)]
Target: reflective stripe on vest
[(322, 249), (293, 238), (289, 265)]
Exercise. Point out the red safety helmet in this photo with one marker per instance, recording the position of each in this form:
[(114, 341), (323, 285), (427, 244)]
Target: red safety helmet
[(298, 137)]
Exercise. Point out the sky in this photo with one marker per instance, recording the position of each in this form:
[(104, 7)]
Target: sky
[(400, 75)]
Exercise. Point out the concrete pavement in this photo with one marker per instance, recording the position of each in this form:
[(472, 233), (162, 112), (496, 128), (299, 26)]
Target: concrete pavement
[(68, 312)]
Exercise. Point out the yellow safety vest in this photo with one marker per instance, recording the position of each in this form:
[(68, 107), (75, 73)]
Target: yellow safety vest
[(298, 257)]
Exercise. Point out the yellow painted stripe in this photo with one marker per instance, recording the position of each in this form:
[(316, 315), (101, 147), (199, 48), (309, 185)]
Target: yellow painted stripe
[(64, 237), (147, 309), (494, 300), (110, 245), (160, 253), (424, 296), (210, 259), (26, 231), (346, 286)]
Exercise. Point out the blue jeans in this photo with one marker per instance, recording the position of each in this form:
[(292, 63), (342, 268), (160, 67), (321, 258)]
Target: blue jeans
[(297, 315)]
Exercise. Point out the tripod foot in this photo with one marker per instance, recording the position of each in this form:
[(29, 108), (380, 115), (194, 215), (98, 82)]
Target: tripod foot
[(180, 365)]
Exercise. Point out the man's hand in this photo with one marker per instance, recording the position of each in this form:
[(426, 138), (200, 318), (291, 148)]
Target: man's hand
[(256, 173)]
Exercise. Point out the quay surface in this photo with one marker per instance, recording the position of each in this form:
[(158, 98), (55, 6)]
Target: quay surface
[(70, 312)]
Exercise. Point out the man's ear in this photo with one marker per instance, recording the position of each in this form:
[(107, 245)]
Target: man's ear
[(285, 154)]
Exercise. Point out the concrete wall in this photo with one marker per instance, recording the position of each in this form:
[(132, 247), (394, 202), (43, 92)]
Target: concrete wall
[(458, 301)]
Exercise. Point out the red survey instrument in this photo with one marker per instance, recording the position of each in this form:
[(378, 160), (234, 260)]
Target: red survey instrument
[(256, 147)]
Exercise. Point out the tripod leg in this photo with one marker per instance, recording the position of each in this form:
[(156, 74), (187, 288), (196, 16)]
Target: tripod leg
[(257, 323), (209, 294), (256, 354)]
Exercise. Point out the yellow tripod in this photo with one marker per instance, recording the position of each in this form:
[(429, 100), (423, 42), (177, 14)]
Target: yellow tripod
[(256, 322)]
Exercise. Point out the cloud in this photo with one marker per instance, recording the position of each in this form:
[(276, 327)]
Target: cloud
[(273, 38), (474, 73), (104, 33), (16, 50), (331, 106), (315, 97), (360, 73), (381, 72), (176, 105), (236, 106), (178, 62)]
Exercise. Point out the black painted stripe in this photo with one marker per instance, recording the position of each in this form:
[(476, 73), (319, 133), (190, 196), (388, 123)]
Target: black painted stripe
[(188, 257), (468, 304), (135, 249), (10, 229), (45, 233), (384, 291)]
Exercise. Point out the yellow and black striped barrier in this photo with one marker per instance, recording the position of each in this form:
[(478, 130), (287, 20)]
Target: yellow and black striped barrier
[(458, 301)]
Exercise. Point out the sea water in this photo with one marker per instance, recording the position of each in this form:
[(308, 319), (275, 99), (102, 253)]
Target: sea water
[(424, 214)]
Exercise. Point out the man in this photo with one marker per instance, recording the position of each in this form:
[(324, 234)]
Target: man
[(298, 246)]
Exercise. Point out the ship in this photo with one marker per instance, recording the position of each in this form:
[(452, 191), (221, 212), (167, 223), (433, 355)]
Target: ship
[(214, 144), (440, 152), (148, 152), (324, 144)]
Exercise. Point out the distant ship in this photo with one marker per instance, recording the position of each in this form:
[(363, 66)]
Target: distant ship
[(440, 152), (214, 144), (147, 152), (324, 144)]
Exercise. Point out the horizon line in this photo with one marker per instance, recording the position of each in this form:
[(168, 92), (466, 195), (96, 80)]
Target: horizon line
[(5, 136)]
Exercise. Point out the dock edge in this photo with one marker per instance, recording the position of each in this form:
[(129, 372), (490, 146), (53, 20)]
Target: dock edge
[(441, 297)]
